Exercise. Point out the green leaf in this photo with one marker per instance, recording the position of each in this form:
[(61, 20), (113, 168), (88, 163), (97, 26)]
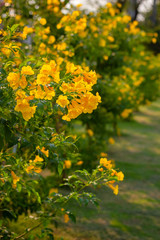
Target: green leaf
[(19, 187), (50, 235), (72, 217), (60, 167), (37, 195), (9, 63), (14, 27), (2, 71)]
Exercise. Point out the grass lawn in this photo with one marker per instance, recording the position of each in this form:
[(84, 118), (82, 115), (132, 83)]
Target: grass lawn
[(135, 213)]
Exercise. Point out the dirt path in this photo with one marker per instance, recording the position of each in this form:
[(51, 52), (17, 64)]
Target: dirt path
[(135, 213)]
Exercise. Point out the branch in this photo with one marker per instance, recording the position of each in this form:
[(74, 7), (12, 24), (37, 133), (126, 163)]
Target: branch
[(31, 229)]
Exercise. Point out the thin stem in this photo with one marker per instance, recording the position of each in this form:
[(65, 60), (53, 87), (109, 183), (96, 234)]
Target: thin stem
[(31, 229)]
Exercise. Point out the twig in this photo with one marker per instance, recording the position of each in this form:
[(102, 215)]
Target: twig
[(31, 229)]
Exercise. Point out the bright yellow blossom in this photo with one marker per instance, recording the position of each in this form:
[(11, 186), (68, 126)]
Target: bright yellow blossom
[(79, 163), (90, 132), (111, 140), (66, 218), (15, 179), (67, 164), (38, 159), (43, 21), (120, 176), (27, 70), (62, 101)]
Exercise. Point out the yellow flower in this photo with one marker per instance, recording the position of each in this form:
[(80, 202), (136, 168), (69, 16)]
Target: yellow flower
[(62, 101), (119, 5), (46, 152), (37, 170), (79, 163), (56, 9), (53, 190), (2, 180), (79, 5), (29, 168), (119, 98), (42, 79), (154, 40), (70, 67), (100, 169), (54, 137), (110, 38), (126, 113), (23, 82), (26, 30), (18, 17), (126, 18), (38, 159), (27, 70), (13, 79), (120, 176), (59, 26), (90, 132), (103, 154), (109, 5), (67, 164), (115, 189), (51, 39), (43, 21), (46, 69), (102, 43), (105, 57), (24, 107), (49, 93), (74, 137), (6, 50), (66, 218), (111, 140), (15, 179), (44, 36), (104, 162), (47, 30)]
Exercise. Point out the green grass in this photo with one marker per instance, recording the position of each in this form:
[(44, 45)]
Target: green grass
[(135, 213)]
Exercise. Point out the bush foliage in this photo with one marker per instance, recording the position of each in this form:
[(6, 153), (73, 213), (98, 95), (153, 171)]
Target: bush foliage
[(65, 75)]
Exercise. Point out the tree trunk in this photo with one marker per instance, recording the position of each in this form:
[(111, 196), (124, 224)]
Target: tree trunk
[(154, 13), (134, 8)]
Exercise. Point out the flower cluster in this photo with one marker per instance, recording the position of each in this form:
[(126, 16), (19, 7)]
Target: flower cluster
[(73, 23), (75, 86), (106, 165)]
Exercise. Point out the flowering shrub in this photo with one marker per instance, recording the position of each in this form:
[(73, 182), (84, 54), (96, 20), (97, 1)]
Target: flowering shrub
[(47, 51), (128, 73), (41, 92)]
